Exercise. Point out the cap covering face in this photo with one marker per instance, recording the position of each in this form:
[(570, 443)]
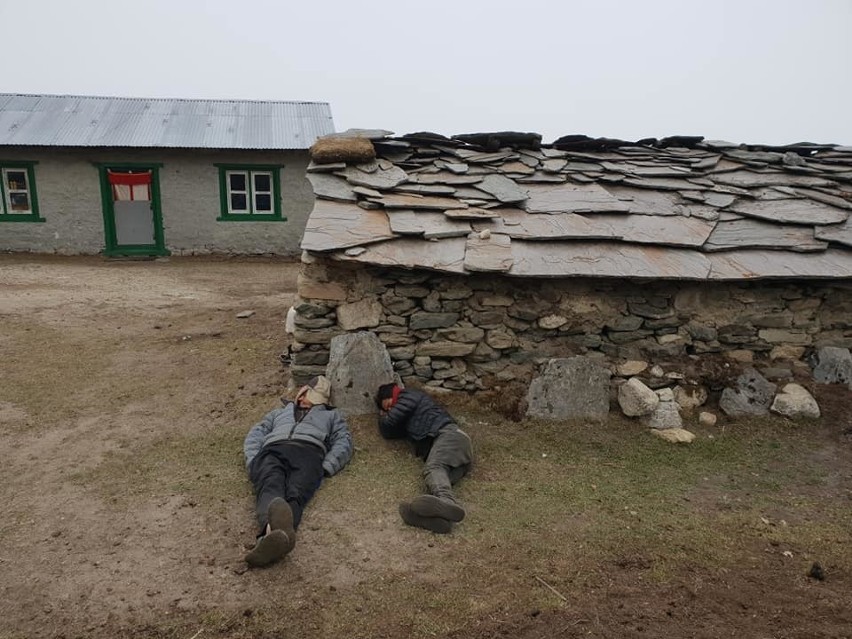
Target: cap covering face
[(319, 390)]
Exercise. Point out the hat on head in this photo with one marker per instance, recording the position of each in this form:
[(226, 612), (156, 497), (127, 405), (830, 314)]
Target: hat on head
[(319, 390)]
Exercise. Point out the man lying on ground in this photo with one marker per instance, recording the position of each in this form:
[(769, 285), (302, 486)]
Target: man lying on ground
[(287, 455), (439, 441)]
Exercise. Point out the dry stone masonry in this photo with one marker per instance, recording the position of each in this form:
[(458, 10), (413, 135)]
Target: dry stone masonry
[(477, 260)]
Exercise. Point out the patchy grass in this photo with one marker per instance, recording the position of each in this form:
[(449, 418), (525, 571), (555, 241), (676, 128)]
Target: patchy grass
[(567, 503)]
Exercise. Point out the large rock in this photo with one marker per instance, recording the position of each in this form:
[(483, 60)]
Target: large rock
[(358, 364), (570, 388), (752, 395), (834, 365), (365, 313), (664, 416), (636, 399), (795, 402)]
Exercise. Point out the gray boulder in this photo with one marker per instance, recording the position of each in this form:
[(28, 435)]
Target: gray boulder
[(833, 365), (570, 388), (666, 415), (795, 402), (358, 364), (751, 396), (636, 399)]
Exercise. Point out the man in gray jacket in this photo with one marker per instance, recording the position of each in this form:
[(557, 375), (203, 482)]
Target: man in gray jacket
[(287, 455)]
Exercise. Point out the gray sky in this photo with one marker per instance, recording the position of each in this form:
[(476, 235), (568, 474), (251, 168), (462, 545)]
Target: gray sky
[(770, 71)]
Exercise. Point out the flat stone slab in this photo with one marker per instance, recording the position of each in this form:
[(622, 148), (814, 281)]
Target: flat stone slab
[(751, 233), (840, 233), (570, 388), (381, 178), (331, 187), (760, 264), (493, 253), (358, 364), (791, 211), (426, 223), (572, 198), (334, 226), (597, 259), (397, 201), (365, 313), (503, 188), (444, 255)]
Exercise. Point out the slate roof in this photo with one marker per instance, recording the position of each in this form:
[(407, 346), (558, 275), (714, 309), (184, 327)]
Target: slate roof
[(677, 208), (89, 121)]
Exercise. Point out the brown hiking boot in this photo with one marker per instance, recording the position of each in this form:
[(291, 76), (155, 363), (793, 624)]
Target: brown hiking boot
[(432, 506), (435, 524), (269, 549), (280, 517)]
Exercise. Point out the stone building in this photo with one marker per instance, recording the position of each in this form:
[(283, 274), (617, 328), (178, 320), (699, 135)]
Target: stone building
[(477, 258), (130, 176)]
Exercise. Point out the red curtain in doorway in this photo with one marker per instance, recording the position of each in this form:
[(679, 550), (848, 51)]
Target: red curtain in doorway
[(129, 187)]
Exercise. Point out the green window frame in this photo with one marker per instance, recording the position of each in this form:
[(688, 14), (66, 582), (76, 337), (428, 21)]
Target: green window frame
[(18, 198), (250, 193)]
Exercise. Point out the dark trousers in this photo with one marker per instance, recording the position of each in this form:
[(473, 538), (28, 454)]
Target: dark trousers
[(448, 461), (290, 470)]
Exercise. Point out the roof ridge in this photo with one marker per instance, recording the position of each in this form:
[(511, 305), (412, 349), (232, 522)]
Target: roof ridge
[(160, 99)]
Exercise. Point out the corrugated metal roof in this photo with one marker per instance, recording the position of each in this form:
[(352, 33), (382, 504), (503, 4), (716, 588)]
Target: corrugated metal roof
[(73, 120)]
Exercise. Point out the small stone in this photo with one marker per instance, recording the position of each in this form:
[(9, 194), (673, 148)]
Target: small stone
[(675, 435), (550, 322), (665, 394), (740, 355), (244, 314), (816, 572), (690, 397), (706, 419), (631, 368), (657, 371)]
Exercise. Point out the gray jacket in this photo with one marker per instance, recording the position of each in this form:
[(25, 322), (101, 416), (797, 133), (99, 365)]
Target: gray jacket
[(321, 425)]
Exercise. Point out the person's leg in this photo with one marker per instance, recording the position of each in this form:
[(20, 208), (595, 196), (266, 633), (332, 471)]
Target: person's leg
[(269, 477), (448, 461), (304, 477)]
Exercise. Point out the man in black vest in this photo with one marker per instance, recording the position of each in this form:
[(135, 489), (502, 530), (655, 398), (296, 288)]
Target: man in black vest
[(439, 441)]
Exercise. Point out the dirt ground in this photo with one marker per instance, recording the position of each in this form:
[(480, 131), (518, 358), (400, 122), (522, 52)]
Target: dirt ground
[(126, 390)]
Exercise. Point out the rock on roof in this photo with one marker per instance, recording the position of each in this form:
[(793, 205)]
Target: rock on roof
[(678, 208)]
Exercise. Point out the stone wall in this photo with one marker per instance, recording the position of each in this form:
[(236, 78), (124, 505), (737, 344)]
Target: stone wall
[(477, 332)]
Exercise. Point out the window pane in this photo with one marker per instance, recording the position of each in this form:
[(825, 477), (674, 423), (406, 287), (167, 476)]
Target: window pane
[(237, 181), (262, 182), (239, 202), (262, 202), (16, 180), (19, 202)]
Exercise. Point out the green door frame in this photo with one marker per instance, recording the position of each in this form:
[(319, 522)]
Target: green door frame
[(111, 239)]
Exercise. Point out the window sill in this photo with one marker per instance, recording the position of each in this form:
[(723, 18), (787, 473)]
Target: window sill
[(250, 218), (23, 218)]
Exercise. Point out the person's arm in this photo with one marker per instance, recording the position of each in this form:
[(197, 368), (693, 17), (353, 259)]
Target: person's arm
[(392, 424), (254, 440), (340, 449)]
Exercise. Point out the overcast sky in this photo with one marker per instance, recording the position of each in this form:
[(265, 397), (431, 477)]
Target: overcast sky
[(760, 71)]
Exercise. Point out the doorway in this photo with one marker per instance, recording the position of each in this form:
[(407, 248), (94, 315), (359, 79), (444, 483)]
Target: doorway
[(133, 221)]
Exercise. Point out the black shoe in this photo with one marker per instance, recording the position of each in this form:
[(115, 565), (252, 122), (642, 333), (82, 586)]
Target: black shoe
[(269, 549), (431, 506), (435, 524), (280, 517)]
